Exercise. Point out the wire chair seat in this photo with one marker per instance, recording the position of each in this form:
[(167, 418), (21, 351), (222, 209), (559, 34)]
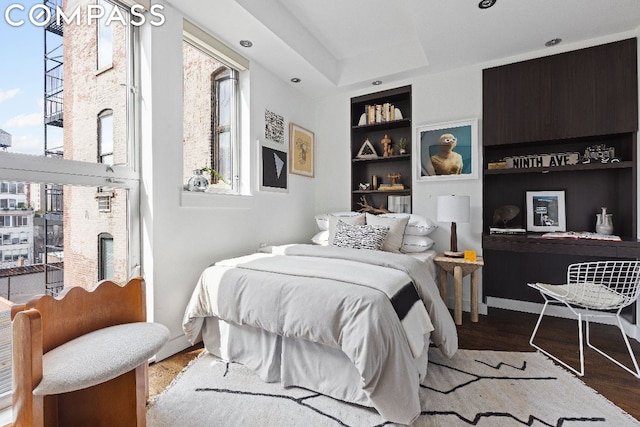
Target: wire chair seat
[(593, 289), (587, 295)]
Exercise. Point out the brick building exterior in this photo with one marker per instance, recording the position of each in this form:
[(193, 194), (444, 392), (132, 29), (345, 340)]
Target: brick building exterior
[(199, 70), (88, 92)]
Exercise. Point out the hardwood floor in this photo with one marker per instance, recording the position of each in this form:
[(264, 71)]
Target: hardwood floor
[(505, 330), (161, 374)]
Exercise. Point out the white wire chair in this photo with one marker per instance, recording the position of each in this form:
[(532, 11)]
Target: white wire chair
[(593, 289)]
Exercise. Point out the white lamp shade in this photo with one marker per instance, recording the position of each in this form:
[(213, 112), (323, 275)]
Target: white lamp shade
[(453, 208)]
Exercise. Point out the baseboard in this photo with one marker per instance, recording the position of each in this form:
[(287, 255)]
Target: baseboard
[(632, 331), (173, 346), (466, 305)]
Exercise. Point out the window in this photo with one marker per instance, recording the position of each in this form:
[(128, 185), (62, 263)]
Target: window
[(61, 230), (105, 37), (210, 107), (224, 96), (104, 200), (105, 256), (105, 137)]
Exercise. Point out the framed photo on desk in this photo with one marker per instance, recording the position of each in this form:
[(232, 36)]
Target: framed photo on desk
[(546, 211)]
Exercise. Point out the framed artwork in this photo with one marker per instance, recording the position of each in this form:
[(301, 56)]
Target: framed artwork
[(546, 211), (273, 127), (447, 151), (273, 168), (302, 149)]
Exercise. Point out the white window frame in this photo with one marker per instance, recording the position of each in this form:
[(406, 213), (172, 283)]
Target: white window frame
[(209, 45), (104, 51), (103, 255), (105, 118), (16, 167)]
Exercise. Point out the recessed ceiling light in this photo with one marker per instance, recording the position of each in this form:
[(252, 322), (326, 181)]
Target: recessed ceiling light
[(376, 82), (552, 42), (486, 4), (246, 43), (295, 80)]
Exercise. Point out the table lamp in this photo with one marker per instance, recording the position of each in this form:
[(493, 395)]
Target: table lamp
[(453, 209)]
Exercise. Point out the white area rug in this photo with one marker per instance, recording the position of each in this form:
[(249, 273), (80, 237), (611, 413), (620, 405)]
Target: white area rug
[(477, 388)]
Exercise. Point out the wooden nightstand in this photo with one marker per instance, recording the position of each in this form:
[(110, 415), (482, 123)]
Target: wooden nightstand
[(459, 267)]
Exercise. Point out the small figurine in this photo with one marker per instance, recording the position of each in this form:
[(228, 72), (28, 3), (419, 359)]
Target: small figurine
[(599, 152), (386, 143), (394, 177)]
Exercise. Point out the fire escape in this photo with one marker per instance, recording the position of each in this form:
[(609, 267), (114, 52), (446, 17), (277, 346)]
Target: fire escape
[(53, 147)]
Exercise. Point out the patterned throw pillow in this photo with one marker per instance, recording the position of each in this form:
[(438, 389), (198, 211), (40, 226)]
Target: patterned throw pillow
[(357, 219), (359, 236)]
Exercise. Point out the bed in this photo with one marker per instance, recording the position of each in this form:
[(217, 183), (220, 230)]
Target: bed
[(353, 324)]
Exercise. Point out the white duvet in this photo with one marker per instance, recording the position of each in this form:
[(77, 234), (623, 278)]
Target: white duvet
[(339, 298)]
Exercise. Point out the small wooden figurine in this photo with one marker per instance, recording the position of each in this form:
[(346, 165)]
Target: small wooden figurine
[(386, 143), (394, 177)]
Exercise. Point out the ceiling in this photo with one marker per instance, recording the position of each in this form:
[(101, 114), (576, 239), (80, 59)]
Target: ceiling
[(334, 45)]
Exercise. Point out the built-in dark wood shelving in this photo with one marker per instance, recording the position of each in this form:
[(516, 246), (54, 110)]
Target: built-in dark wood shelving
[(561, 103), (405, 191), (568, 168), (384, 159), (384, 125), (629, 247), (363, 170)]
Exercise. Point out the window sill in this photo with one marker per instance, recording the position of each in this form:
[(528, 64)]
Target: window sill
[(197, 199), (104, 69)]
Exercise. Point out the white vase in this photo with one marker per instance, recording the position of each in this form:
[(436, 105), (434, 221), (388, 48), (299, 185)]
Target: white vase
[(604, 222)]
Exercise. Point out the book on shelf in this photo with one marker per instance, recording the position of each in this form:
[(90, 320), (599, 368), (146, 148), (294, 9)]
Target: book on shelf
[(581, 235), (496, 165), (391, 187), (507, 230), (380, 113)]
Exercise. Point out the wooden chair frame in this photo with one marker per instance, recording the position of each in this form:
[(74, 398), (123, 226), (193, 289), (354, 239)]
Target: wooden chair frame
[(45, 323)]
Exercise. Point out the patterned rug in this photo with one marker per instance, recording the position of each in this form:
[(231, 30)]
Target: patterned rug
[(475, 388)]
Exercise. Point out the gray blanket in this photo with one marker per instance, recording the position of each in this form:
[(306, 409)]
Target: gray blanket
[(288, 295)]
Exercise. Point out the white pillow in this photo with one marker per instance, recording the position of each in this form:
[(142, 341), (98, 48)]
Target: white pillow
[(322, 220), (357, 219), (413, 244), (321, 238), (417, 226), (393, 242), (359, 236)]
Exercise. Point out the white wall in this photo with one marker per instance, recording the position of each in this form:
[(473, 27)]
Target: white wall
[(184, 233)]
